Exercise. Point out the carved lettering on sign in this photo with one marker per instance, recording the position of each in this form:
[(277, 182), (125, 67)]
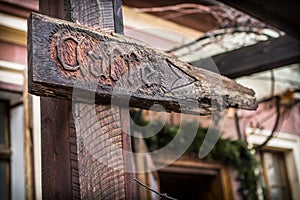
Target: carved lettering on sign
[(96, 66), (132, 62), (115, 57), (106, 62), (67, 53)]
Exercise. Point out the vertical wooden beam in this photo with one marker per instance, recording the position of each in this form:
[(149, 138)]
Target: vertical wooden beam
[(130, 187), (55, 128), (111, 182), (55, 145), (73, 153), (28, 145)]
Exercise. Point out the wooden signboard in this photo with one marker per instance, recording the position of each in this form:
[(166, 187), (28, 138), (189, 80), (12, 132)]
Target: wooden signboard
[(110, 64)]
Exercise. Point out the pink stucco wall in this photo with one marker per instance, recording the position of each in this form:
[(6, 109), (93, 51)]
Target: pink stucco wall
[(264, 118)]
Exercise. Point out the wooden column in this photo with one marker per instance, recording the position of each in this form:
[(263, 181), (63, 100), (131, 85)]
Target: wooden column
[(55, 129), (73, 154)]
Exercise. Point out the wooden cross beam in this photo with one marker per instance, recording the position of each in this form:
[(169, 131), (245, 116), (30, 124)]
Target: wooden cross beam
[(67, 58), (113, 65)]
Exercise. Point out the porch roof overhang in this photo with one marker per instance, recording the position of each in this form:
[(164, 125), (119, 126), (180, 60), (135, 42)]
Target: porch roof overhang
[(266, 55)]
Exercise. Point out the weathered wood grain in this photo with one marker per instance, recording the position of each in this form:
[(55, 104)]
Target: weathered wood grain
[(112, 65), (99, 162), (56, 119), (55, 146), (101, 169), (71, 168)]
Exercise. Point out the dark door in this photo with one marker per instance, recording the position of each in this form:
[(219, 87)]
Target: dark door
[(192, 186)]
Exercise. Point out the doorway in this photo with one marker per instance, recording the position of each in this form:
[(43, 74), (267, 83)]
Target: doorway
[(193, 183)]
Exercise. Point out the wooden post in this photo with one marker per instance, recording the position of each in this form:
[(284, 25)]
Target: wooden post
[(56, 121), (68, 169)]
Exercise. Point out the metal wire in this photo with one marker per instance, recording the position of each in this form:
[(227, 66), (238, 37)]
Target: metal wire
[(162, 195)]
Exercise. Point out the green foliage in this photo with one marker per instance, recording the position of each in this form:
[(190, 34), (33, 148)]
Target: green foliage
[(238, 155), (233, 153)]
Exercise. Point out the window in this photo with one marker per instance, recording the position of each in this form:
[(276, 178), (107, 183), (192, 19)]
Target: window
[(5, 151), (275, 173)]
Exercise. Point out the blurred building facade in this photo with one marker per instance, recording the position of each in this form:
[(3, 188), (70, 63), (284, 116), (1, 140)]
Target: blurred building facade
[(277, 117)]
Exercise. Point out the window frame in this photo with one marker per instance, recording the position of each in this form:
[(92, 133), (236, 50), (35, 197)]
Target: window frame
[(283, 169), (5, 149), (289, 144)]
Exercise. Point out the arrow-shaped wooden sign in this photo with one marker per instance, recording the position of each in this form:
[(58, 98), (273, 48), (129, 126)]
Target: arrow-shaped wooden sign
[(65, 56)]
